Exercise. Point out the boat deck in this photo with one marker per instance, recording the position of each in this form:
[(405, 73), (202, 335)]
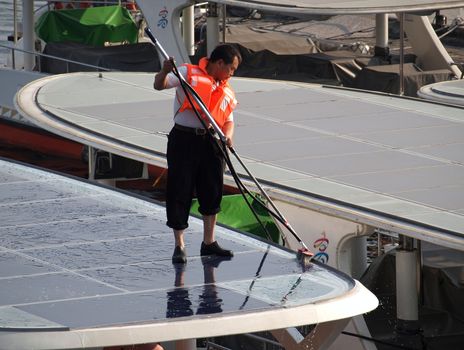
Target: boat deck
[(87, 266), (332, 7), (451, 92), (392, 161)]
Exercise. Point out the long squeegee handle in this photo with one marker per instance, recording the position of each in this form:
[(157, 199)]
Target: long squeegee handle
[(282, 218), (192, 92), (156, 43)]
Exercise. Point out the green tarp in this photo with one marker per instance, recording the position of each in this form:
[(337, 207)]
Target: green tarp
[(92, 26), (236, 213)]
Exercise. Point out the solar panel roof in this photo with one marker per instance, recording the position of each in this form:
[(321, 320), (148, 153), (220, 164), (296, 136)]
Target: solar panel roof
[(344, 6), (401, 158), (83, 265), (451, 92)]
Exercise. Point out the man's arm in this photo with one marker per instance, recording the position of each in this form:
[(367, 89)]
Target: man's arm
[(228, 129), (160, 78)]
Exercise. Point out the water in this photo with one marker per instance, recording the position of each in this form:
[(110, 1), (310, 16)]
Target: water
[(6, 24)]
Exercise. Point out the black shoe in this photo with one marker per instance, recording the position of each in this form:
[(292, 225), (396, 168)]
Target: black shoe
[(214, 249), (179, 256)]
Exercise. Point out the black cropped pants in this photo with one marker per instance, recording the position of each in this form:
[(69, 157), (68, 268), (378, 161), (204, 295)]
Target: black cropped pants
[(194, 165)]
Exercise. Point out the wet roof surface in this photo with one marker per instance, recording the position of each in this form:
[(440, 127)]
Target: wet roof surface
[(75, 255), (398, 156)]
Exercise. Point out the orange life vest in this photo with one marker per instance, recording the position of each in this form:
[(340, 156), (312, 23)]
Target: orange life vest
[(220, 99)]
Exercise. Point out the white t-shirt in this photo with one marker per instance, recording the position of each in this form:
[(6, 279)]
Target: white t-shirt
[(187, 117)]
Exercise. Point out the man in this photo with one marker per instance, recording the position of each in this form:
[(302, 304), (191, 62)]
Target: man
[(194, 162)]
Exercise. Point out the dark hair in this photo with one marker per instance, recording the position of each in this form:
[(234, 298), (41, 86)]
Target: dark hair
[(225, 52)]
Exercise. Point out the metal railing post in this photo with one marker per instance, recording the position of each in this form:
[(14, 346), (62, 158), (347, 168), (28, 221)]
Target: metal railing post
[(224, 23), (91, 163), (401, 53), (13, 59)]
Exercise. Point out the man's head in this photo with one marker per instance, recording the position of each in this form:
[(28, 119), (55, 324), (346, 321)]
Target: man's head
[(224, 61)]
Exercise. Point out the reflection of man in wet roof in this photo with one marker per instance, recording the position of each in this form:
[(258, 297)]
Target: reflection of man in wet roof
[(194, 161), (208, 302)]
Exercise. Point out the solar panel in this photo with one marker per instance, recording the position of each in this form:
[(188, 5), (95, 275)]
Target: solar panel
[(333, 7), (78, 257), (396, 156), (446, 91)]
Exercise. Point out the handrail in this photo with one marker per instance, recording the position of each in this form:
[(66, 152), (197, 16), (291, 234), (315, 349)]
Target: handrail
[(39, 54)]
